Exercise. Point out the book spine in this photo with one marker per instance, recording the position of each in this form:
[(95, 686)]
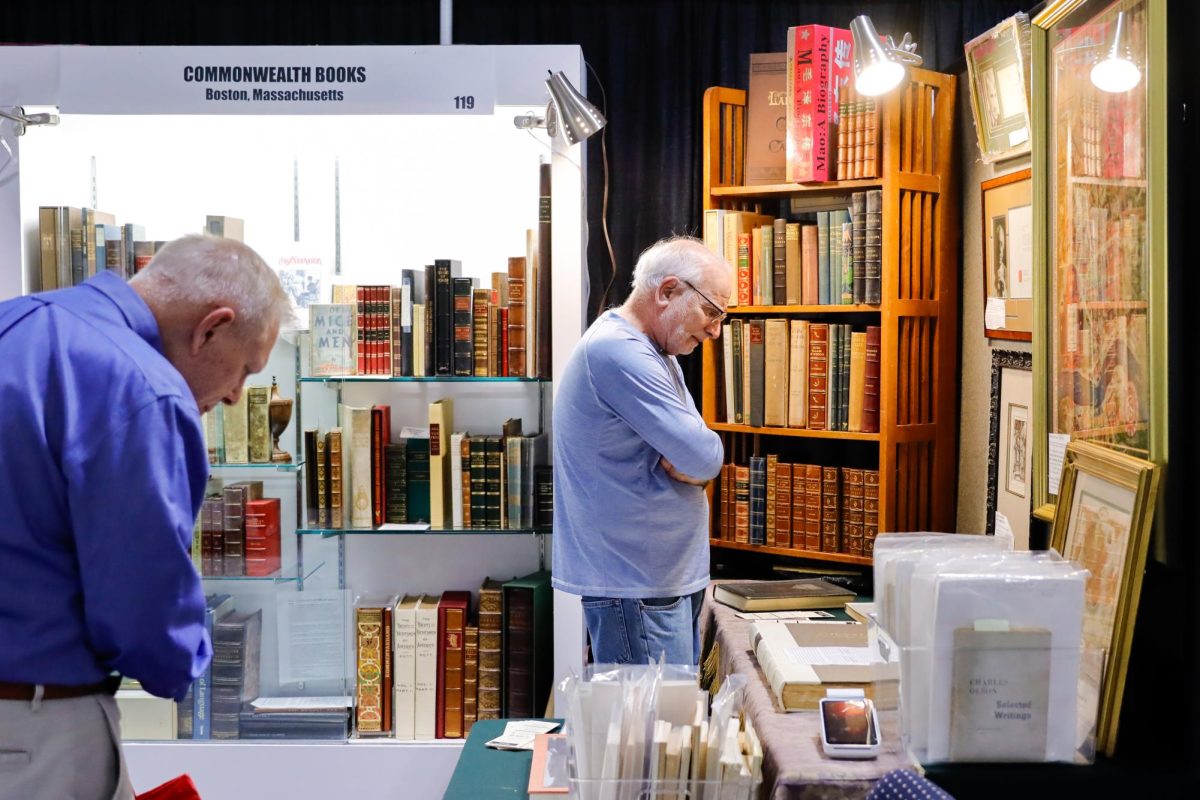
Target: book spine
[(783, 505), (741, 504), (818, 347), (405, 622), (470, 678), (516, 317), (758, 499), (334, 469), (812, 505), (830, 517), (464, 355), (873, 246), (544, 268), (518, 654), (870, 410), (368, 706)]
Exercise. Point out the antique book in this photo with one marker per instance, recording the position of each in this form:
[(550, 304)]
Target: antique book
[(216, 607), (769, 515), (531, 303), (470, 678), (441, 425), (373, 657), (812, 507), (416, 467), (445, 271), (543, 486), (781, 595), (777, 236), (823, 228), (873, 246), (395, 461), (738, 224), (396, 346), (802, 660), (262, 541), (258, 427), (857, 387), (310, 477), (810, 288), (412, 294), (792, 263), (334, 467), (331, 339), (775, 350), (758, 500), (516, 317), (999, 696), (783, 505), (237, 431), (527, 645), (858, 245), (491, 626), (797, 411), (237, 644), (757, 358), (818, 353), (870, 510), (799, 504), (426, 663), (356, 465), (544, 266), (852, 511), (766, 119), (453, 611), (381, 437), (831, 520), (404, 621), (464, 334), (870, 392), (234, 499)]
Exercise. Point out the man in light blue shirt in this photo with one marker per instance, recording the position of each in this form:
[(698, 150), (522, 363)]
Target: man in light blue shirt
[(102, 471), (632, 456)]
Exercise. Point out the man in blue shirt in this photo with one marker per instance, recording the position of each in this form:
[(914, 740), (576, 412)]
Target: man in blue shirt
[(631, 458), (102, 471)]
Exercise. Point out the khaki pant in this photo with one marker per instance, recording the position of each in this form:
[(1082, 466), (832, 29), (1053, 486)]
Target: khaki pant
[(59, 749)]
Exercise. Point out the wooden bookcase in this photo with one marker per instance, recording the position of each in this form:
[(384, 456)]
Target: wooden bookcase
[(915, 450)]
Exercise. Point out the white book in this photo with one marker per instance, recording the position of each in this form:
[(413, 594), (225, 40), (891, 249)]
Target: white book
[(456, 467), (727, 363), (237, 431), (684, 773), (356, 465), (404, 666), (425, 683)]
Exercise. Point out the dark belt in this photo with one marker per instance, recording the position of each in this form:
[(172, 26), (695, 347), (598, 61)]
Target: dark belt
[(26, 691)]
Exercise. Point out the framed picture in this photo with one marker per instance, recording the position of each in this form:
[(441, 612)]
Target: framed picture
[(998, 72), (1010, 438), (1008, 256), (1102, 521)]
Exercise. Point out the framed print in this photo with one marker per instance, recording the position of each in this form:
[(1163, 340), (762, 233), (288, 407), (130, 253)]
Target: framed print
[(1008, 256), (1010, 437), (1102, 521), (998, 72), (1099, 166)]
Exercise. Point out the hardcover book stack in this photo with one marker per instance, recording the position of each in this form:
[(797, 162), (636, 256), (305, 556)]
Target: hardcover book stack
[(240, 433), (803, 506)]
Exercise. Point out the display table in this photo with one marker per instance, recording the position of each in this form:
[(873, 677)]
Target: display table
[(793, 764), (483, 773)]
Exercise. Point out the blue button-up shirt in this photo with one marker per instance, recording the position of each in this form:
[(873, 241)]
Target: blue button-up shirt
[(102, 471), (623, 527)]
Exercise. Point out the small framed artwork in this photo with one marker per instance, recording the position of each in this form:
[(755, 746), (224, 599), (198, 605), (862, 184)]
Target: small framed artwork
[(1102, 521), (1009, 442), (999, 77), (1007, 235)]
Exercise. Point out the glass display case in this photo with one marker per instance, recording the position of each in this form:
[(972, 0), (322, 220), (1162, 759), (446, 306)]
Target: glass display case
[(1099, 173)]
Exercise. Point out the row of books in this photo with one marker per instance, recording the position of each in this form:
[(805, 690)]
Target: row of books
[(801, 374), (1108, 247), (359, 478), (237, 532), (858, 136), (77, 243), (429, 666), (213, 706), (435, 323), (240, 433), (834, 260), (798, 506)]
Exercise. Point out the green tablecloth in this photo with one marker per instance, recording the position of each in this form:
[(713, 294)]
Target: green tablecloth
[(483, 773)]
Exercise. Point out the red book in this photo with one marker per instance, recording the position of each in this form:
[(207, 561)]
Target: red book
[(451, 663), (381, 437), (262, 545), (819, 63), (871, 382), (503, 340)]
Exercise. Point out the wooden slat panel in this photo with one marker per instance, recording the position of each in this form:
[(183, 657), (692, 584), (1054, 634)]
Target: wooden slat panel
[(920, 262), (902, 365), (916, 371), (905, 267), (906, 125), (930, 233), (920, 145), (927, 372)]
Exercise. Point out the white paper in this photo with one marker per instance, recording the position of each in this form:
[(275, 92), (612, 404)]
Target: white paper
[(1003, 528), (1057, 446), (784, 614), (301, 703), (519, 735), (403, 526), (1020, 252), (993, 313), (312, 635), (830, 656)]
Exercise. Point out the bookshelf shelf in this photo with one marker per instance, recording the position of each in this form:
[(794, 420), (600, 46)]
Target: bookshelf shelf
[(294, 466), (296, 573), (859, 308), (792, 189), (330, 532), (840, 558), (425, 379), (801, 432)]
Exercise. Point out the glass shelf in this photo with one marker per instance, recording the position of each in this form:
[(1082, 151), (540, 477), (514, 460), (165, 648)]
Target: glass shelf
[(294, 466), (422, 379), (420, 531), (288, 574)]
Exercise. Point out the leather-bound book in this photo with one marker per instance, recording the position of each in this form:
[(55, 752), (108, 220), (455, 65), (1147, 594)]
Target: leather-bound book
[(452, 624), (528, 645)]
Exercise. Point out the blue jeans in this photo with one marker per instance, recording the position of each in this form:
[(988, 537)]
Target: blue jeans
[(625, 631)]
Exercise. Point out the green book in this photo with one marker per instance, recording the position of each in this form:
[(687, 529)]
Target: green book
[(416, 455), (528, 645)]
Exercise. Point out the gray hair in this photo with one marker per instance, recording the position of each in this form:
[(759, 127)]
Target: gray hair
[(210, 271), (685, 257)]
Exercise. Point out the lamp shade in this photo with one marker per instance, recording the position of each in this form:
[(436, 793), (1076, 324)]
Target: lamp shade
[(577, 118), (1116, 71), (875, 70)]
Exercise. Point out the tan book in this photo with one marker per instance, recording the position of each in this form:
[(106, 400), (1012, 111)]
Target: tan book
[(766, 115), (491, 622), (258, 426), (516, 317), (793, 263), (441, 423), (480, 299), (356, 465), (368, 648), (809, 269), (531, 303), (858, 372), (797, 416), (794, 659), (404, 619), (470, 678), (237, 431), (775, 399), (425, 682), (418, 354)]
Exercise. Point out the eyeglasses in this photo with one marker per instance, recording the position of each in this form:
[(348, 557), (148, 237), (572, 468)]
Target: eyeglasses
[(716, 313)]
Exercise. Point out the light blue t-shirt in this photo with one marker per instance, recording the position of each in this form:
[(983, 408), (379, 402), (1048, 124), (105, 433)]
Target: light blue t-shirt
[(622, 526)]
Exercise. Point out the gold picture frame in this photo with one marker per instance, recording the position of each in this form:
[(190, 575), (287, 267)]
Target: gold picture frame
[(999, 77), (1102, 521), (1007, 203)]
